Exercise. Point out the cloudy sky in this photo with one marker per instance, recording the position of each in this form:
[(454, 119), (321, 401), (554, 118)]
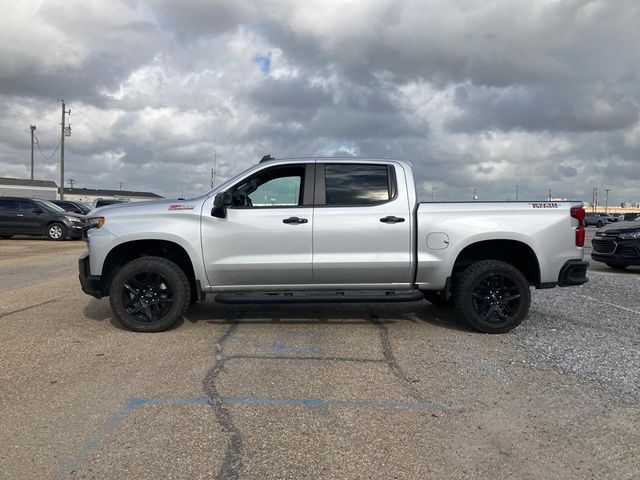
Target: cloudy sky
[(479, 94)]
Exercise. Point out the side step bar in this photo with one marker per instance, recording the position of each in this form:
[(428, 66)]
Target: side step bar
[(233, 298)]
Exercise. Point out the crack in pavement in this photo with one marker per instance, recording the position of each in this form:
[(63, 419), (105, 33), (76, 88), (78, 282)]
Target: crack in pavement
[(390, 358), (232, 462), (2, 315)]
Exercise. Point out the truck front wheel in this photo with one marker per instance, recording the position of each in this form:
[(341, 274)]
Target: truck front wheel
[(492, 296), (149, 294)]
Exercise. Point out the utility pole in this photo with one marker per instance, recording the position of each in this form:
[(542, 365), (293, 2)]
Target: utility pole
[(549, 194), (120, 186), (64, 132), (606, 200), (213, 170), (32, 128), (516, 193), (594, 201), (433, 194)]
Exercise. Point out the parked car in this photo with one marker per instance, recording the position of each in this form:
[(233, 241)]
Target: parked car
[(27, 216), (71, 206), (101, 202), (330, 230), (618, 245), (598, 219)]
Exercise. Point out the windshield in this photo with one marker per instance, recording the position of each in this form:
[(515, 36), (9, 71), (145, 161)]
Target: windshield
[(49, 207), (84, 207)]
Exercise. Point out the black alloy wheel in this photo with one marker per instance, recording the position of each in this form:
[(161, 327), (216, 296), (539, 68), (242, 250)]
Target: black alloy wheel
[(149, 294), (495, 298), (492, 296)]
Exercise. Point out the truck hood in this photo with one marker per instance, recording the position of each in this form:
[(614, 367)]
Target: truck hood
[(145, 208)]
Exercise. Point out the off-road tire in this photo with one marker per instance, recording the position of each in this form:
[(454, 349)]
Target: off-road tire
[(468, 300), (56, 231), (174, 280)]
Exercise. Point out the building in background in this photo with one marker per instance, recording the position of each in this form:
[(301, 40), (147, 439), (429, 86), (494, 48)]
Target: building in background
[(89, 195), (17, 187)]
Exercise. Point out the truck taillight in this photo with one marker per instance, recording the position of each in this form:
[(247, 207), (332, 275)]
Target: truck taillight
[(578, 213)]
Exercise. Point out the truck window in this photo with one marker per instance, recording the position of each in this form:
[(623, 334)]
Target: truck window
[(273, 187), (356, 184)]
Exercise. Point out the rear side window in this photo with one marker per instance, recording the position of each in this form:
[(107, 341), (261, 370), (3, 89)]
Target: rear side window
[(357, 184), (7, 205), (28, 207)]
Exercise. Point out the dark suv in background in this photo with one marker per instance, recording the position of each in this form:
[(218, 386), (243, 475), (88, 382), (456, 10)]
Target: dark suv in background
[(27, 216), (72, 206), (618, 244)]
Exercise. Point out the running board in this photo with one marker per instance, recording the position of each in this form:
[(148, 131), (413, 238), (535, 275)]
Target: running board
[(233, 298)]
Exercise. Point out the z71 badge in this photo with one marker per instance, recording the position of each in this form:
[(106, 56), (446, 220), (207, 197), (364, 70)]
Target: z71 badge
[(545, 205), (178, 206)]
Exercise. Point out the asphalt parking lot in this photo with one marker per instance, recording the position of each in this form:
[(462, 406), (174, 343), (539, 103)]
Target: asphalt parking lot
[(314, 391)]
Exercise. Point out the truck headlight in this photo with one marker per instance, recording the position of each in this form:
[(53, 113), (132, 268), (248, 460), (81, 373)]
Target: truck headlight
[(94, 222), (630, 235)]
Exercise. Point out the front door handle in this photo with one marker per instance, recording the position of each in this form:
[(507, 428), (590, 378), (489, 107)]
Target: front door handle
[(294, 220), (391, 219)]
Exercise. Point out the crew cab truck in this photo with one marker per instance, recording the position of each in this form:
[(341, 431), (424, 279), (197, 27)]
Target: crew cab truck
[(324, 230)]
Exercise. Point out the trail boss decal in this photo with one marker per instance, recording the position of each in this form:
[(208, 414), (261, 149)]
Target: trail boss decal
[(545, 205), (178, 206)]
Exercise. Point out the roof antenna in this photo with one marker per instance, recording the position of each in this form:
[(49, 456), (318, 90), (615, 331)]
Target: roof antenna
[(266, 158)]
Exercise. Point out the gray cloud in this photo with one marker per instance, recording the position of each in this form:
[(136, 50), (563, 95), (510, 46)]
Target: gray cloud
[(481, 94)]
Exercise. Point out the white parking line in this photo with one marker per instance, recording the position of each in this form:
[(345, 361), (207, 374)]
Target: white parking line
[(609, 303)]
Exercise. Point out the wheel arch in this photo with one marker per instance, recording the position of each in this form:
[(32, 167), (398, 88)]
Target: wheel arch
[(130, 250), (514, 252)]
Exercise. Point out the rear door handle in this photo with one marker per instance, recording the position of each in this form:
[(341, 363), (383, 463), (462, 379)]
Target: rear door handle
[(391, 219), (294, 220)]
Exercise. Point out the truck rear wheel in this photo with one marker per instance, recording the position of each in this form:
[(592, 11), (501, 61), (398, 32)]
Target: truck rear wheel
[(492, 296), (149, 294)]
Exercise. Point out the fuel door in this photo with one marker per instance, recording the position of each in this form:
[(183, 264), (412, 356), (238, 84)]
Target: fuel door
[(437, 241)]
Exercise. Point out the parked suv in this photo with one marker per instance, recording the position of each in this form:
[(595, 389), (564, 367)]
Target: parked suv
[(103, 202), (618, 245), (27, 216), (598, 219), (71, 206)]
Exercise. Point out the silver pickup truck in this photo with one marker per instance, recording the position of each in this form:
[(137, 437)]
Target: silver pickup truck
[(330, 230)]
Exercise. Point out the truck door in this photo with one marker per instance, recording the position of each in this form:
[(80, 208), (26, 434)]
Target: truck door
[(265, 238), (362, 225)]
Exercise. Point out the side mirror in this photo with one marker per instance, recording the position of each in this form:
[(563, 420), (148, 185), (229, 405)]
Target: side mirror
[(221, 201)]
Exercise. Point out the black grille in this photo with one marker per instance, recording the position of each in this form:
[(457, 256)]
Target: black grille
[(603, 246)]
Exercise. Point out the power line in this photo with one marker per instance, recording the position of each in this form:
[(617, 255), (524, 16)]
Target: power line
[(40, 150), (92, 120)]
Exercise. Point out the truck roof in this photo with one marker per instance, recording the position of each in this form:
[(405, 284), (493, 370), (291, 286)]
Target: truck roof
[(269, 158)]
